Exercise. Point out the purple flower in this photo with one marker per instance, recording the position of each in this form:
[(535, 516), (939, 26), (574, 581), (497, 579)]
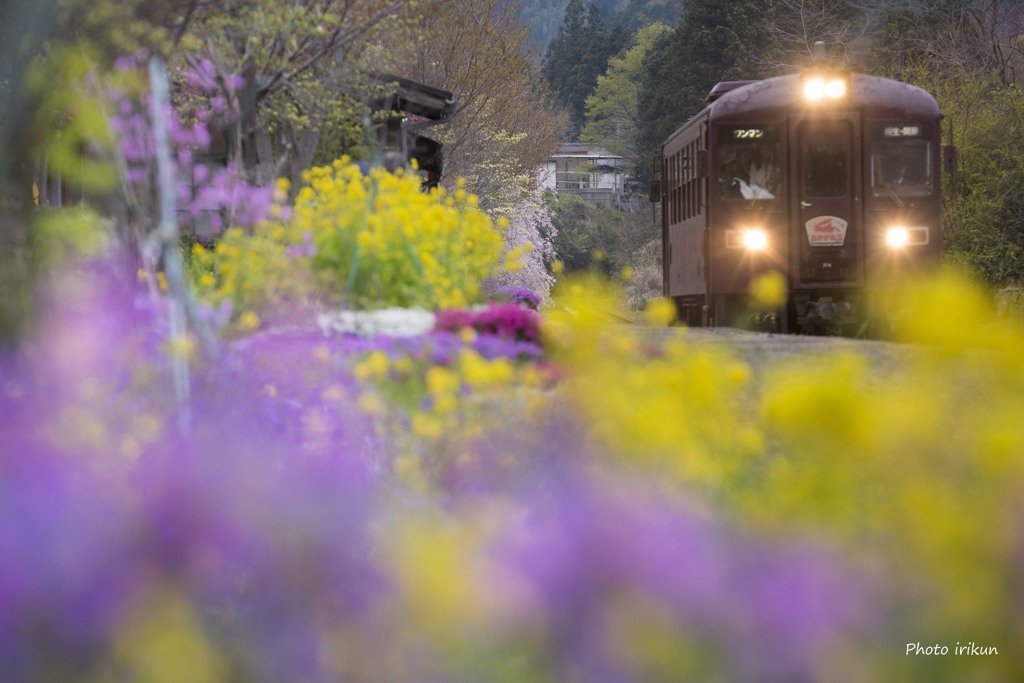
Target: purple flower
[(776, 610), (265, 515), (524, 296)]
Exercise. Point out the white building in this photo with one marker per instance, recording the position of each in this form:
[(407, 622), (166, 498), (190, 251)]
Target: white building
[(587, 170)]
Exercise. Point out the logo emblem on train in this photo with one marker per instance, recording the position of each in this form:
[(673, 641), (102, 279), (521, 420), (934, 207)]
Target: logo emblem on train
[(826, 231)]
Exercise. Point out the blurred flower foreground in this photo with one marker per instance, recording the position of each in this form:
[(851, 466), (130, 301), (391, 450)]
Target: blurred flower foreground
[(485, 491)]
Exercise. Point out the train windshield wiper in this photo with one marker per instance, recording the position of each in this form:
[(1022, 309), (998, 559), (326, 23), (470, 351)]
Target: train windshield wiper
[(892, 193)]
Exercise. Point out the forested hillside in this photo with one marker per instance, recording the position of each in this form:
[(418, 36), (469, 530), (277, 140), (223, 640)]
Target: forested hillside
[(543, 17)]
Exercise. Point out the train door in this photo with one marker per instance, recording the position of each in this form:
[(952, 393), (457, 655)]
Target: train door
[(826, 180)]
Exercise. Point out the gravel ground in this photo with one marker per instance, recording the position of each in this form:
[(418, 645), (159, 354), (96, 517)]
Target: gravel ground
[(780, 344), (763, 349)]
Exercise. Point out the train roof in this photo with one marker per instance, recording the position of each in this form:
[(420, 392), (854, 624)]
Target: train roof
[(884, 96)]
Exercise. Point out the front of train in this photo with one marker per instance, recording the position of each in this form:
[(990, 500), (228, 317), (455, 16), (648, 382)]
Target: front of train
[(830, 179)]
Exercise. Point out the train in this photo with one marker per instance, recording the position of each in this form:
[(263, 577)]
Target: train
[(829, 178)]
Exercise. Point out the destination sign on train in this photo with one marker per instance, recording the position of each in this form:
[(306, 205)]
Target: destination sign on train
[(747, 133), (902, 131)]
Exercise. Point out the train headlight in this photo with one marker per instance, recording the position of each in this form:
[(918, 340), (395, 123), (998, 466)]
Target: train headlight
[(814, 89), (817, 88), (897, 237), (751, 239), (835, 89), (755, 239)]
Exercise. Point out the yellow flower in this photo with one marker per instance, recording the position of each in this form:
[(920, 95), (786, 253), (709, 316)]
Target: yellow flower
[(404, 365), (407, 467), (427, 426), (378, 363), (181, 346), (768, 291), (281, 188), (480, 372), (248, 321), (162, 639), (415, 249), (442, 381), (660, 312)]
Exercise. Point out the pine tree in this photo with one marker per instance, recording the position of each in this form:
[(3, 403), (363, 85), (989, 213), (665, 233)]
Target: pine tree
[(578, 55), (713, 42)]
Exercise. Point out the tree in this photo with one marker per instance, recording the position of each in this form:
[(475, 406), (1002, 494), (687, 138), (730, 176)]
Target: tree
[(614, 108), (884, 36), (796, 25), (505, 124), (713, 42), (639, 13), (542, 17), (593, 235), (954, 35), (578, 55), (966, 52), (296, 59), (983, 212)]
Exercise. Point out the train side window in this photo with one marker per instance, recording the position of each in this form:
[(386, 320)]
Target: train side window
[(825, 164)]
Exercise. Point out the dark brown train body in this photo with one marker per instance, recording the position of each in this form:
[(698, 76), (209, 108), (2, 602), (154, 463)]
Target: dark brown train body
[(839, 195)]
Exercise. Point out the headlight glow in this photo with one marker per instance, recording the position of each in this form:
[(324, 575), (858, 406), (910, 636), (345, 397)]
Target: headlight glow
[(835, 89), (897, 237), (814, 89), (824, 87), (755, 239)]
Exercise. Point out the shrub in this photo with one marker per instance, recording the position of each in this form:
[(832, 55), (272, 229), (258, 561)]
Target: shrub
[(382, 242), (593, 235), (365, 240)]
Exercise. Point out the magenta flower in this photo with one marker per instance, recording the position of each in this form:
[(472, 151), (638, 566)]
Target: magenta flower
[(507, 321)]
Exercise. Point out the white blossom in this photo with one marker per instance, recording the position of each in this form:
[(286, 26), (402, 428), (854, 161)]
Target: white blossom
[(529, 221), (391, 322)]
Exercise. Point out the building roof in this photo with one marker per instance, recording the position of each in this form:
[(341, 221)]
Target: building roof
[(582, 149), (415, 98)]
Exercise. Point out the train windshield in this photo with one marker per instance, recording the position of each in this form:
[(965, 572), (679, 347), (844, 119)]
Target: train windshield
[(748, 162), (901, 161), (825, 159)]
